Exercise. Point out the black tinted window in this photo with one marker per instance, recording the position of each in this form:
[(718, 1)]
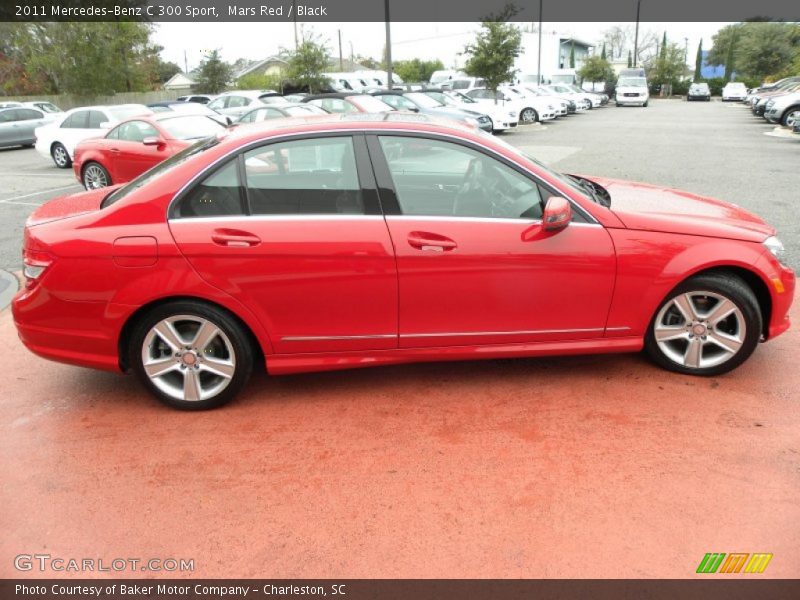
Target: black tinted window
[(219, 194), (96, 118), (76, 120), (435, 178), (315, 176)]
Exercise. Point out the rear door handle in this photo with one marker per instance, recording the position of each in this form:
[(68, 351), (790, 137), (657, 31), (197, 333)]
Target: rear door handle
[(430, 242), (234, 238)]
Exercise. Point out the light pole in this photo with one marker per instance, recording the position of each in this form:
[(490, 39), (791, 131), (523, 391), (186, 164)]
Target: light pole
[(539, 54), (388, 47), (636, 36)]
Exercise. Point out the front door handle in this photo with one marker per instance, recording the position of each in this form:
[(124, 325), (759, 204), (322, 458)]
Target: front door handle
[(234, 238), (430, 242)]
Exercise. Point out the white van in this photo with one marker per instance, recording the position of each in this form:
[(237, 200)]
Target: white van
[(632, 91)]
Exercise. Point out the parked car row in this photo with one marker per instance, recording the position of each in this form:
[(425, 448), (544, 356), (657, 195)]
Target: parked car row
[(777, 102), (111, 145)]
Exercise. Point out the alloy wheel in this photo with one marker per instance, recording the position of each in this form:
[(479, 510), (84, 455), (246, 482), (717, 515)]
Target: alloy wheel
[(700, 329), (528, 115), (94, 177), (188, 358), (792, 118), (60, 156)]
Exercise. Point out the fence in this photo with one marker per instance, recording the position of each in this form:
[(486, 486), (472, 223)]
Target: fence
[(67, 101)]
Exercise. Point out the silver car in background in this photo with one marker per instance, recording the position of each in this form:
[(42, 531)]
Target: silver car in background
[(17, 125)]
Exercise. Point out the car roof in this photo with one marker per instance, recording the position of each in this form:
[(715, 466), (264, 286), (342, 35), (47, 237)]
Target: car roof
[(411, 122), (333, 95)]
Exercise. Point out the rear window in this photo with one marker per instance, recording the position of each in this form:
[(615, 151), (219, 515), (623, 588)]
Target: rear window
[(192, 127), (370, 104), (122, 113), (159, 170)]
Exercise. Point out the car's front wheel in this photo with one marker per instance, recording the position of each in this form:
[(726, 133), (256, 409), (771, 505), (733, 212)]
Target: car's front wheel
[(708, 325), (60, 156), (190, 355), (95, 176), (791, 116), (528, 115)]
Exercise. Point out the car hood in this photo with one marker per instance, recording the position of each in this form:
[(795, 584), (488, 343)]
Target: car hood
[(69, 206), (453, 113), (654, 208)]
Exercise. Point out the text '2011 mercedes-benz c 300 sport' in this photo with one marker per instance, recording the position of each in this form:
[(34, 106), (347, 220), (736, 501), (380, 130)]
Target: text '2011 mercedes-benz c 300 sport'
[(336, 242)]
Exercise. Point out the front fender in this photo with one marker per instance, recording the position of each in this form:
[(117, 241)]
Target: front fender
[(651, 264)]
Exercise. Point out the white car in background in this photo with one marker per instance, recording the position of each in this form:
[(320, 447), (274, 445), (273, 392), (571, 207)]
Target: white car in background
[(530, 110), (562, 91), (734, 91), (632, 91), (57, 140), (522, 93), (502, 117), (235, 104)]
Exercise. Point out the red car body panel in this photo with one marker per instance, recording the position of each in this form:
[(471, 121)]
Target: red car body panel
[(507, 288), (123, 159)]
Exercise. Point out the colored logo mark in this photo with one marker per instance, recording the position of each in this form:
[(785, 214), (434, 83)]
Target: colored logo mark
[(737, 562)]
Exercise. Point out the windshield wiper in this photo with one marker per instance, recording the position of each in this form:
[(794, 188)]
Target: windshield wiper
[(597, 193)]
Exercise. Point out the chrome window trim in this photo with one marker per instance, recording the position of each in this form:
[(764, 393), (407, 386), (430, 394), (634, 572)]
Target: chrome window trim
[(351, 132), (292, 217)]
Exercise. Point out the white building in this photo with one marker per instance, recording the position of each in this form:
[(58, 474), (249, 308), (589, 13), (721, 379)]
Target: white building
[(556, 49)]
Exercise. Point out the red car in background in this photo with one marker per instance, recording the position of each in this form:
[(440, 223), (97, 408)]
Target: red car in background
[(136, 145), (364, 240)]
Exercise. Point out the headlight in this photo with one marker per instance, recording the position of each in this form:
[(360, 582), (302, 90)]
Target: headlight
[(775, 246), (770, 103)]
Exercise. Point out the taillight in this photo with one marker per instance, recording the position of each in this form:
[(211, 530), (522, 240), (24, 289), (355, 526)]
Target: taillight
[(35, 263)]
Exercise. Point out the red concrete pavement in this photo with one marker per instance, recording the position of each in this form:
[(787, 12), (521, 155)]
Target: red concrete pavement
[(573, 467)]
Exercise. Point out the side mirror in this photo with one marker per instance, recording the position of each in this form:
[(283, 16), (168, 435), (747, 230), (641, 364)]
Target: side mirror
[(229, 120), (557, 214), (152, 141)]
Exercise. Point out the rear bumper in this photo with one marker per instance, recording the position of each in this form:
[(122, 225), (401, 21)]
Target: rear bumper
[(88, 341)]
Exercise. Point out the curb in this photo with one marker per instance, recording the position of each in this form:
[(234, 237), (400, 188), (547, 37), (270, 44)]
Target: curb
[(9, 285)]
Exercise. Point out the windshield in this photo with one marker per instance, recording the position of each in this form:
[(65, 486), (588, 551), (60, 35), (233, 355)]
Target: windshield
[(157, 171), (370, 104), (131, 110), (440, 98), (438, 77), (461, 97), (632, 82), (191, 127), (422, 100), (47, 107), (304, 111), (570, 182)]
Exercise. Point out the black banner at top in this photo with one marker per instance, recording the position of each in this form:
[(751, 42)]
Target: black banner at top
[(398, 10)]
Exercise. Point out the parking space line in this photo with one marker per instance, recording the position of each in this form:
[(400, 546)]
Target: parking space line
[(14, 199)]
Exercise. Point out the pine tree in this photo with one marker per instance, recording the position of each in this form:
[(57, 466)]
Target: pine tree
[(698, 63), (603, 53), (630, 59), (572, 55), (729, 60)]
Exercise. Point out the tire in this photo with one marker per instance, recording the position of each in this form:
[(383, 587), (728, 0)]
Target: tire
[(790, 116), (191, 378), (60, 156), (645, 104), (528, 116), (705, 344), (95, 176)]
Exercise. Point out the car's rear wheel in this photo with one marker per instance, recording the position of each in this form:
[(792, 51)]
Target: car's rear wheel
[(95, 176), (708, 325), (60, 156), (528, 115), (190, 355)]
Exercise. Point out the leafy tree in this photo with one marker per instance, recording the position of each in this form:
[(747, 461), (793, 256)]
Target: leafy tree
[(307, 64), (597, 68), (698, 62), (416, 69), (669, 68), (213, 74), (755, 49), (495, 49), (260, 81)]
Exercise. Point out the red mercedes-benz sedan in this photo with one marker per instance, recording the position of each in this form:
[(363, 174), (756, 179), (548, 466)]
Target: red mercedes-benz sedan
[(355, 241), (136, 145)]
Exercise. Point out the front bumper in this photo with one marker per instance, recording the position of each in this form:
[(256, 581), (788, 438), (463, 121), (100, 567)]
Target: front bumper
[(631, 100)]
